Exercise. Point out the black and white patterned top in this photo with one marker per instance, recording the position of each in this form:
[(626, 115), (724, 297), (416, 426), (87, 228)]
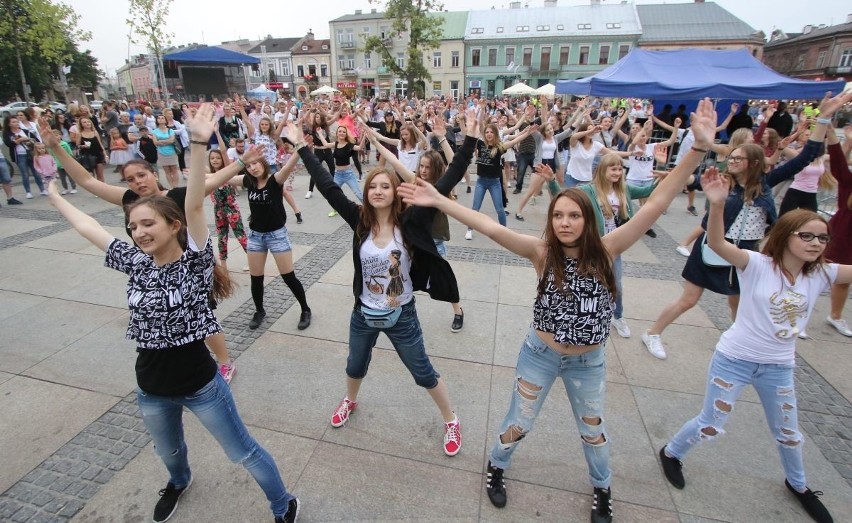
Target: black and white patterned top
[(579, 313), (168, 305)]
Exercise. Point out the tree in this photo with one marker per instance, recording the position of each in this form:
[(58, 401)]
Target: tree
[(84, 70), (147, 22), (38, 30), (424, 31)]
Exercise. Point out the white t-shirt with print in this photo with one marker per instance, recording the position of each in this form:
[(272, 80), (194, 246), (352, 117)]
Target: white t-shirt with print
[(641, 164), (772, 312), (385, 273)]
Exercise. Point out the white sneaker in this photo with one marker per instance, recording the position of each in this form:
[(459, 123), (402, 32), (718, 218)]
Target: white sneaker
[(682, 250), (621, 327), (29, 196), (804, 335), (44, 193), (654, 344), (63, 192), (469, 234), (841, 326), (73, 191), (308, 195)]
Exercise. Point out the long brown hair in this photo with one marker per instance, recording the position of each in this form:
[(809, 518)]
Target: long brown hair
[(437, 166), (593, 259), (752, 178), (603, 187), (497, 148), (223, 287), (412, 137), (779, 238), (369, 221)]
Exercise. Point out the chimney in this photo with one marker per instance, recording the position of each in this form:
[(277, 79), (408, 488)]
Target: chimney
[(514, 5), (595, 2), (357, 11), (550, 3), (699, 1), (310, 35), (372, 11), (849, 19), (807, 29)]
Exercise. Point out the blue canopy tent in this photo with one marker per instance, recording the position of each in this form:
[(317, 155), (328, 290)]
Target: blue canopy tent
[(206, 72), (691, 74), (211, 55)]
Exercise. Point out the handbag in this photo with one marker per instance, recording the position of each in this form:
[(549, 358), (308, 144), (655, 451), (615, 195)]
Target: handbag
[(380, 319), (710, 257)]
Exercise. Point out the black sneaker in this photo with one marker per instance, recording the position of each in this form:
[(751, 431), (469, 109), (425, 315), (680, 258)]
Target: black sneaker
[(602, 506), (292, 512), (298, 218), (304, 320), (257, 319), (168, 503), (516, 191), (673, 469), (458, 322), (14, 201), (691, 210), (651, 233), (519, 217), (468, 189), (811, 503), (495, 487)]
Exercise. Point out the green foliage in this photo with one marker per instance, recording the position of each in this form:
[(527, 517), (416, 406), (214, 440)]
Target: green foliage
[(411, 20), (84, 70), (147, 21)]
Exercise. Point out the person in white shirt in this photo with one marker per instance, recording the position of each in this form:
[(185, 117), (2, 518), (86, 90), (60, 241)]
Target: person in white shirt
[(779, 288)]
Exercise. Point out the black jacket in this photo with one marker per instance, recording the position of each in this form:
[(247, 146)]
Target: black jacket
[(429, 271)]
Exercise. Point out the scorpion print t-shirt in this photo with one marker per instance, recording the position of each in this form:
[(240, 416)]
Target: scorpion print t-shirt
[(772, 311), (385, 272), (577, 314)]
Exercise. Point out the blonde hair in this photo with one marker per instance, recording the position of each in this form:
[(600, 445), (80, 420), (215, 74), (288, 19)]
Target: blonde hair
[(603, 186)]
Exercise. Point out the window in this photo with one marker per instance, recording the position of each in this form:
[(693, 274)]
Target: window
[(545, 58), (323, 70), (510, 55), (584, 55), (350, 35), (492, 57), (304, 48), (436, 59), (454, 59), (615, 25), (475, 56), (436, 88), (564, 51), (341, 62), (584, 26), (500, 29), (285, 67), (800, 62), (542, 28), (603, 56), (366, 30), (368, 61), (312, 70), (350, 61), (400, 60), (385, 33), (623, 50), (522, 28), (527, 60), (300, 71), (477, 30), (846, 58), (560, 27)]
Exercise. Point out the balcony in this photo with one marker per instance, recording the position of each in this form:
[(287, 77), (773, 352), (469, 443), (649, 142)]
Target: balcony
[(837, 71), (350, 72), (347, 45), (383, 70)]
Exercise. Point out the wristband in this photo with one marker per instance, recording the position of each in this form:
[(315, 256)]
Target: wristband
[(824, 121), (198, 142), (696, 149), (442, 140), (241, 162)]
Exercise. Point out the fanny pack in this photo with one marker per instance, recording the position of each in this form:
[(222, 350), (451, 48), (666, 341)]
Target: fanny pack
[(380, 319)]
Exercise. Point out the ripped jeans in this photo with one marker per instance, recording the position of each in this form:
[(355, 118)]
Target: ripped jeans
[(726, 378), (584, 377)]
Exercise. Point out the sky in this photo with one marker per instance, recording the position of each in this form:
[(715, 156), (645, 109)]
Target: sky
[(219, 20)]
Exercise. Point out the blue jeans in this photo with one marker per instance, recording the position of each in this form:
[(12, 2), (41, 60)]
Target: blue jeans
[(570, 181), (25, 165), (493, 186), (726, 378), (406, 337), (441, 246), (5, 175), (524, 160), (348, 177), (618, 272), (214, 406), (584, 378)]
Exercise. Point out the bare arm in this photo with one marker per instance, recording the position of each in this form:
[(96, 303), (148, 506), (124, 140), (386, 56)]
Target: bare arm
[(84, 224), (734, 108), (202, 126), (391, 158), (716, 189), (288, 167)]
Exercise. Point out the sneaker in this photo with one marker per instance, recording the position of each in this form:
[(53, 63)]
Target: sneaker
[(29, 196), (516, 191), (811, 503), (341, 415), (44, 193), (458, 322), (14, 201), (621, 327), (452, 437), (168, 503), (682, 250), (227, 370), (304, 320), (654, 344), (257, 319), (332, 214), (469, 234), (292, 512), (495, 486), (651, 233), (298, 218), (673, 470), (804, 335), (63, 192), (468, 189), (73, 191), (691, 210), (308, 195), (602, 506), (519, 217), (841, 325)]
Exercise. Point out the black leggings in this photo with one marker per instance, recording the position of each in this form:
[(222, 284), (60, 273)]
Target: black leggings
[(796, 199), (324, 155)]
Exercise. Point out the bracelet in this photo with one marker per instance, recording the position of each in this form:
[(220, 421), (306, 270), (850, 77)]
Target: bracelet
[(825, 121), (696, 149), (241, 162), (442, 141), (198, 142)]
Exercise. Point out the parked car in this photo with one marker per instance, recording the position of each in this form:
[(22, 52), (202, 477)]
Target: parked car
[(14, 107), (57, 106)]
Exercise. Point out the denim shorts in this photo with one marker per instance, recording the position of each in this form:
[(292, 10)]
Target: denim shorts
[(274, 242), (5, 174), (441, 246)]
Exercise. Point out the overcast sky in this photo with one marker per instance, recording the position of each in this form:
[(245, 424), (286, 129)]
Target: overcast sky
[(212, 21)]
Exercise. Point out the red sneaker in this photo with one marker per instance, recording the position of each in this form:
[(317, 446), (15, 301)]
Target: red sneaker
[(452, 437), (341, 415)]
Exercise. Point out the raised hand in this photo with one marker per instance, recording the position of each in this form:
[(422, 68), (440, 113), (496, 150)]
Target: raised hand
[(677, 122), (735, 107), (254, 154), (661, 154), (716, 187), (47, 137), (201, 125), (703, 124), (471, 122), (545, 171), (830, 105), (769, 111), (295, 133), (420, 193), (439, 127)]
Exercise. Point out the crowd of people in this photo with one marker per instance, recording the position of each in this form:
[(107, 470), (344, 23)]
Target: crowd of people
[(611, 169)]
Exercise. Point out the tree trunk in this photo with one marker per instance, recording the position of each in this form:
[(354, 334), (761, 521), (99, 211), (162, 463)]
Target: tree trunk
[(21, 68)]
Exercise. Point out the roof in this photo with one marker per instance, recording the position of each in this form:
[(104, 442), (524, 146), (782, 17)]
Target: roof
[(690, 22), (553, 22), (359, 16), (274, 45), (813, 34), (314, 47), (455, 23), (211, 55)]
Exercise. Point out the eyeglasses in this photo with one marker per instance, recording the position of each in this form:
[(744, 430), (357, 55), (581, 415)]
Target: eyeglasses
[(737, 158), (809, 237)]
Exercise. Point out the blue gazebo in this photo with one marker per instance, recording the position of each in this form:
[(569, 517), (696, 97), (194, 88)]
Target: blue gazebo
[(206, 72)]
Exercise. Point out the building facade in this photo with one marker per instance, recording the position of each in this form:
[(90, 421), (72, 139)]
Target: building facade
[(539, 45), (276, 64), (311, 64), (817, 53), (446, 63), (125, 81)]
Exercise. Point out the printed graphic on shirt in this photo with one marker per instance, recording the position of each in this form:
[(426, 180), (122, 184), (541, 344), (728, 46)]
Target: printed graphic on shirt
[(786, 307), (383, 278)]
